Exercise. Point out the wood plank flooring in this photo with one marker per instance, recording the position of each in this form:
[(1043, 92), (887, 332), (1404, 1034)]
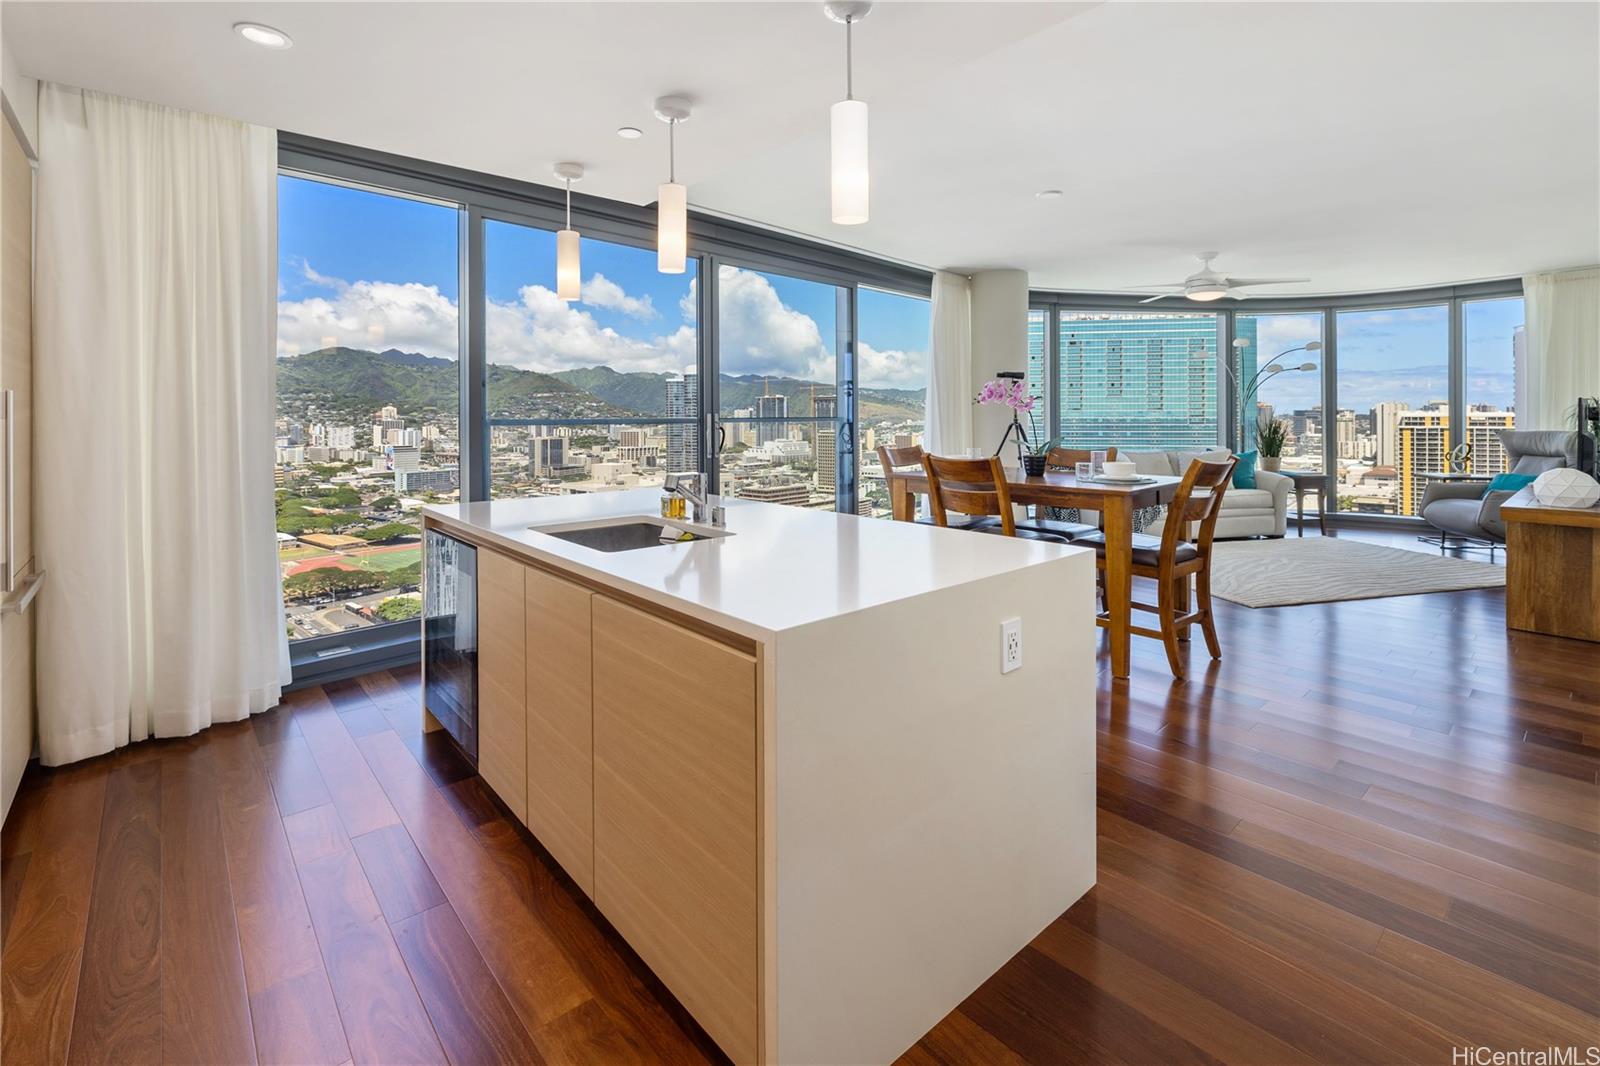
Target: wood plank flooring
[(1371, 834)]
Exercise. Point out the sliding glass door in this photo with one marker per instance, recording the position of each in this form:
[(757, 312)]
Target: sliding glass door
[(594, 395), (779, 402), (367, 404), (1290, 396), (1392, 420), (892, 371), (1491, 346)]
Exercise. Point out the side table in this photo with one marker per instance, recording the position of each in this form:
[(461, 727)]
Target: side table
[(1310, 481)]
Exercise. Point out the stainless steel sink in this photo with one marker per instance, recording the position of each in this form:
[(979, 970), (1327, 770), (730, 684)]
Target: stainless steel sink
[(629, 533)]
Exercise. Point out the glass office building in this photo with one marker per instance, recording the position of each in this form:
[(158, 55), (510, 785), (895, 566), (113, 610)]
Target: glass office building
[(1138, 381)]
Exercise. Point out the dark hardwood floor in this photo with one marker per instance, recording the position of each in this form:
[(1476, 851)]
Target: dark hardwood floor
[(1371, 834)]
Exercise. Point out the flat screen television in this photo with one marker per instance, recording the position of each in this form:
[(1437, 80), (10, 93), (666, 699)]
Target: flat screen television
[(1588, 430)]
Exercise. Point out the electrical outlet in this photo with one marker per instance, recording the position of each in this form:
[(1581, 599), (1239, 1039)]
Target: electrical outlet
[(1010, 645)]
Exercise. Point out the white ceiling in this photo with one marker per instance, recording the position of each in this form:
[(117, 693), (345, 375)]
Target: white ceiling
[(1365, 146)]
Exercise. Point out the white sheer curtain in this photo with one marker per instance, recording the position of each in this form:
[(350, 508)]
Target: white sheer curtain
[(949, 428), (153, 389), (1561, 360)]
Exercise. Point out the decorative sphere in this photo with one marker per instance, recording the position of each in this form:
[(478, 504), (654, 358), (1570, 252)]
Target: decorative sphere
[(1566, 487)]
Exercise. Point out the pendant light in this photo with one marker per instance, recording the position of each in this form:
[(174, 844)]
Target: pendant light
[(569, 272), (672, 199), (850, 179)]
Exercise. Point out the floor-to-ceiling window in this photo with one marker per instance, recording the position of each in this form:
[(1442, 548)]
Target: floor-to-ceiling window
[(1392, 420), (593, 395), (367, 403), (397, 390), (778, 339), (1290, 396), (1491, 345), (1139, 381), (892, 377)]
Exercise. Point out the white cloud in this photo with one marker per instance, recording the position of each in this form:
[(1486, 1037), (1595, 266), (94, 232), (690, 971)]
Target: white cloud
[(892, 369), (416, 318), (539, 331), (601, 291), (760, 335)]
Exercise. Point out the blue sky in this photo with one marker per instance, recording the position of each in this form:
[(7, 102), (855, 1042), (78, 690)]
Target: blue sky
[(373, 270), (369, 269), (1399, 354)]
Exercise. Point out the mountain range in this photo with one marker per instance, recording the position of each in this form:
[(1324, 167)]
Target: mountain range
[(345, 385)]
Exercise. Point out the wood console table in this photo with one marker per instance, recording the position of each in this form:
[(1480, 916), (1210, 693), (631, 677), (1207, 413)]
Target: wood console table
[(1553, 568)]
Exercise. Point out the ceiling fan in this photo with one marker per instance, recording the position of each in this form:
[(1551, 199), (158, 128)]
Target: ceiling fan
[(1207, 284)]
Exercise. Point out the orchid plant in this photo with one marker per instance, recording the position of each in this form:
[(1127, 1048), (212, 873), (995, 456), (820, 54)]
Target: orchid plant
[(1013, 393)]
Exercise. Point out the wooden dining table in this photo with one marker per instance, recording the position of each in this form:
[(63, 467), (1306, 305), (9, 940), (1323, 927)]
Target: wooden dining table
[(1063, 488)]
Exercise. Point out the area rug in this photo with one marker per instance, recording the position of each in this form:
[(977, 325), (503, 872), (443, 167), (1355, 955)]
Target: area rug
[(1294, 570)]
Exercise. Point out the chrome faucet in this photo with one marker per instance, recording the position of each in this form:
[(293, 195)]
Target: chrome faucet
[(692, 488)]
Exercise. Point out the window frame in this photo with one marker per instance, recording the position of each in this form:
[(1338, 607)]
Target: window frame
[(1455, 296), (713, 241)]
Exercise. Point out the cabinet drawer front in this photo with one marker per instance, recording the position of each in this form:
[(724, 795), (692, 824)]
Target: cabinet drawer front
[(675, 747), (502, 681), (561, 723)]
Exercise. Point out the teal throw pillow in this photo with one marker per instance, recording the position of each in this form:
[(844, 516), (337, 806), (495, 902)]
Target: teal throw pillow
[(1244, 475), (1510, 482)]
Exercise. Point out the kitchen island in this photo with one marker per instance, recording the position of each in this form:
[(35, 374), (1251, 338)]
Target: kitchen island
[(784, 760)]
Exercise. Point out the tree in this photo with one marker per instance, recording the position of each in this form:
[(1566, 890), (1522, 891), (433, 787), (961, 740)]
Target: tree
[(399, 608), (386, 531), (385, 503), (330, 581)]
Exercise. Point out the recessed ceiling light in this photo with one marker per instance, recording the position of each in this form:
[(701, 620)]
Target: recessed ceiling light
[(1049, 194), (265, 36), (629, 133)]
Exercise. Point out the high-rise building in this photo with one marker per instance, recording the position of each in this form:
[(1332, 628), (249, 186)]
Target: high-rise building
[(826, 409), (1519, 352), (1386, 427), (546, 456), (1344, 435), (770, 407), (794, 493), (1484, 423), (1424, 444), (405, 458), (683, 401), (1138, 381), (441, 480)]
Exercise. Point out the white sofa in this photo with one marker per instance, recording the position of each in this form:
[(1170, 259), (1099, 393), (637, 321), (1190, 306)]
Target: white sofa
[(1259, 512)]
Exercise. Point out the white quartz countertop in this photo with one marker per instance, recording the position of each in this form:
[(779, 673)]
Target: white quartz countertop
[(783, 567)]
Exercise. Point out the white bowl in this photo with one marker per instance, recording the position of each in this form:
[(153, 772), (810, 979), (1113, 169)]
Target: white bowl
[(1118, 468)]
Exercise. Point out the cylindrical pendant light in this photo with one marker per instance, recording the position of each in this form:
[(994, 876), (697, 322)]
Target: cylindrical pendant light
[(672, 199), (569, 271), (850, 179)]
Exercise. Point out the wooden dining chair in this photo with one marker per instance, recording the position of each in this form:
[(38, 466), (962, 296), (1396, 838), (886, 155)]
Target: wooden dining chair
[(893, 459), (1069, 458), (1171, 560), (1064, 521), (976, 488)]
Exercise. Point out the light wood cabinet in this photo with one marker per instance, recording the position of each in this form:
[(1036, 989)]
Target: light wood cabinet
[(560, 706), (675, 812), (627, 744), (502, 680)]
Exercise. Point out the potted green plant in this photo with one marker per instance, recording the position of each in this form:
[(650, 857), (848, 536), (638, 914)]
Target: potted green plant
[(1269, 444)]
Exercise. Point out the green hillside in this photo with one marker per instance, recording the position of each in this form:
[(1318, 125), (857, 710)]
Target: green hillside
[(647, 393), (347, 385)]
